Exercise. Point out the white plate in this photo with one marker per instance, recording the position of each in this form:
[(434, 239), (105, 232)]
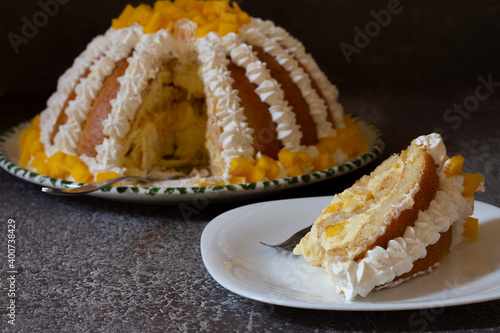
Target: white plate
[(9, 157), (233, 256)]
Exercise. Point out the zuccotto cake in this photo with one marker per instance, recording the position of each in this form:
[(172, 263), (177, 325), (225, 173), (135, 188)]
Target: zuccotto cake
[(191, 85), (396, 223)]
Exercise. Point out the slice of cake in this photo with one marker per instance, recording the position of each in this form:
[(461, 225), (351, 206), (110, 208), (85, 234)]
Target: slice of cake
[(396, 223)]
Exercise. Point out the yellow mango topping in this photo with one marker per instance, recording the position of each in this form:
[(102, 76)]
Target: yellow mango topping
[(102, 176), (472, 181), (323, 161), (80, 173), (59, 165), (288, 158), (328, 144), (454, 166), (249, 170), (295, 170), (334, 207), (335, 229), (241, 166), (471, 228), (210, 16), (270, 166), (351, 138)]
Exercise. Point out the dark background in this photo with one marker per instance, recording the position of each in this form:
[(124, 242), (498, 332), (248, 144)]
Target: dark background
[(427, 41), (97, 265)]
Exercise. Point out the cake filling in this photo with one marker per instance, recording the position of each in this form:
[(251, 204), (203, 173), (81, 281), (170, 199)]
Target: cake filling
[(169, 127)]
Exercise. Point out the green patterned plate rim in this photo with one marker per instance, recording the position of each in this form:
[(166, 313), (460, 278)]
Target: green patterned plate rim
[(9, 157)]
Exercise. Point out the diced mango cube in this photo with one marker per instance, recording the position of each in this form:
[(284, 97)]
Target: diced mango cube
[(154, 23), (323, 161), (334, 207), (288, 158), (238, 180), (124, 20), (335, 229), (275, 172), (265, 163), (241, 166), (226, 28), (256, 175), (295, 170), (472, 181), (328, 145), (142, 14), (39, 160), (71, 161), (162, 4), (454, 166), (304, 158), (214, 7), (199, 19), (35, 147), (229, 18), (56, 166), (207, 28), (471, 228), (80, 173), (102, 176)]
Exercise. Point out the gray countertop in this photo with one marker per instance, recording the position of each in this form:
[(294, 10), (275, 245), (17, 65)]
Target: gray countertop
[(88, 264)]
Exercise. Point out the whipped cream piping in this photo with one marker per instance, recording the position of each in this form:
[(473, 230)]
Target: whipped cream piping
[(122, 42), (65, 85), (253, 34), (269, 91), (297, 49), (222, 100), (150, 53), (382, 265), (144, 65)]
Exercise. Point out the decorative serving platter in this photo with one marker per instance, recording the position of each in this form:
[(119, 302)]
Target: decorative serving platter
[(9, 157)]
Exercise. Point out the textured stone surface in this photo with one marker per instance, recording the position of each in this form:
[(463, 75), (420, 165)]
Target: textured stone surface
[(87, 264)]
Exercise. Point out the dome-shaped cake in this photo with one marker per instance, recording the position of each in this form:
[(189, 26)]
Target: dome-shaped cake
[(191, 85)]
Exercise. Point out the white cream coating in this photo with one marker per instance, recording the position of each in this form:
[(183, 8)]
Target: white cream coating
[(222, 100), (380, 265), (297, 49), (122, 42), (66, 84), (254, 35), (270, 93)]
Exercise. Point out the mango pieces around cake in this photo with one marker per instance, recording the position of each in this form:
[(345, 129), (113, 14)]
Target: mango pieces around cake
[(222, 18), (210, 16)]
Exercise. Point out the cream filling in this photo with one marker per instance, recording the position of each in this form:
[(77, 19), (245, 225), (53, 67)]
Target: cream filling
[(382, 265)]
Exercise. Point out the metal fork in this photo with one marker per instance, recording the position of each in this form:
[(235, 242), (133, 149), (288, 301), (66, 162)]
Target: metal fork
[(93, 186), (291, 242)]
